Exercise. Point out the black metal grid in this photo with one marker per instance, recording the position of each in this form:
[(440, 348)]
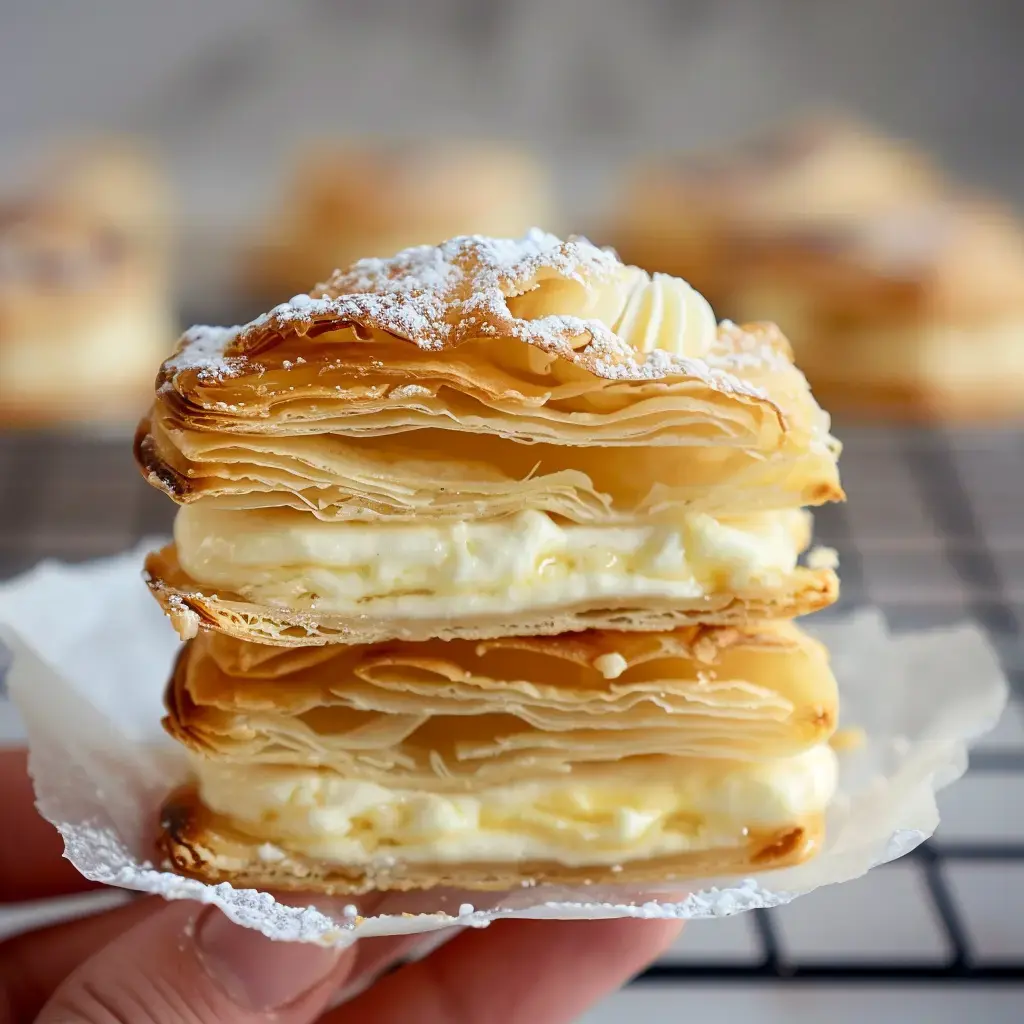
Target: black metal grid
[(933, 533)]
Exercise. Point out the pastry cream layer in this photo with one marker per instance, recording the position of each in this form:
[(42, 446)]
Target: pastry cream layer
[(289, 559), (630, 813), (647, 311)]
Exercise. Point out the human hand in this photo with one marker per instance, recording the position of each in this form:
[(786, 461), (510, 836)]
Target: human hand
[(152, 962)]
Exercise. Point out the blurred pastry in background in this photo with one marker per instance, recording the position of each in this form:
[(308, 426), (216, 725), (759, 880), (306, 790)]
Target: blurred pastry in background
[(914, 315), (118, 181), (347, 202), (715, 217), (900, 297), (85, 303)]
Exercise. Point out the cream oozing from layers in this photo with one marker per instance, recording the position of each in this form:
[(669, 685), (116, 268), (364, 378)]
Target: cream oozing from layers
[(630, 814), (289, 559)]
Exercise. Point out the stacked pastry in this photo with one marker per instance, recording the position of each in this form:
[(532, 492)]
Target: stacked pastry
[(901, 294), (486, 560)]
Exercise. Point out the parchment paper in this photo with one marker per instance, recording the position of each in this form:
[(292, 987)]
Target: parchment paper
[(89, 653)]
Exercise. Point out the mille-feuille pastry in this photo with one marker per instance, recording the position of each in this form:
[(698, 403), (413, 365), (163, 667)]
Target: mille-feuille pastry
[(85, 304), (481, 439), (583, 757), (374, 199)]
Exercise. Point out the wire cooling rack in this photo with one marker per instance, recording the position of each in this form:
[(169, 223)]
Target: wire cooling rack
[(933, 533)]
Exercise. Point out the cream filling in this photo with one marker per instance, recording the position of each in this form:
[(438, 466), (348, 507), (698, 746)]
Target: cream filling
[(290, 559), (646, 311), (629, 814)]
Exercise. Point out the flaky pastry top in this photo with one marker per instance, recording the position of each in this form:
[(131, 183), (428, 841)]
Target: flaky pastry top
[(466, 351), (536, 328), (568, 300)]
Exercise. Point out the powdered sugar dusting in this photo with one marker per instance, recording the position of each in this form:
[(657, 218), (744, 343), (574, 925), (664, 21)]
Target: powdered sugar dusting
[(438, 297), (205, 348), (410, 391), (759, 346), (202, 346)]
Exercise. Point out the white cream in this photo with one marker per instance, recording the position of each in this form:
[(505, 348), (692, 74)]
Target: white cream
[(611, 665), (629, 814), (526, 561), (646, 311)]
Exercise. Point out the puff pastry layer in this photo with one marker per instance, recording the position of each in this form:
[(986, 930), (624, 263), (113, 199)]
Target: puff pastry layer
[(452, 713), (406, 765), (504, 364)]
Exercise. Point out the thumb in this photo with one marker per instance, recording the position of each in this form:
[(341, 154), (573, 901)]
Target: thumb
[(191, 964)]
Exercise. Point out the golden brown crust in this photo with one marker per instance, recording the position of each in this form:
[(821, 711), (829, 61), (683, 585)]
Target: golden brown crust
[(382, 325), (451, 363), (439, 299), (191, 607), (201, 845), (436, 473), (452, 714)]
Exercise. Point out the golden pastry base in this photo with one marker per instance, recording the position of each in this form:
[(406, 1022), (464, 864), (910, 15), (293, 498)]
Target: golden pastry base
[(202, 845)]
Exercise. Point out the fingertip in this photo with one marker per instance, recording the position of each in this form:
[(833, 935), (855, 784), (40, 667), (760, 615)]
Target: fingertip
[(189, 963), (541, 971), (256, 972)]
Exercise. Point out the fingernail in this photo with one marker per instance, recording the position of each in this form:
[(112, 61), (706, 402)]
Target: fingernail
[(257, 973)]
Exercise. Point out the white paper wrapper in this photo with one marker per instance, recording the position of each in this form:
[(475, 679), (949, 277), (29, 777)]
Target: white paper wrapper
[(102, 766)]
